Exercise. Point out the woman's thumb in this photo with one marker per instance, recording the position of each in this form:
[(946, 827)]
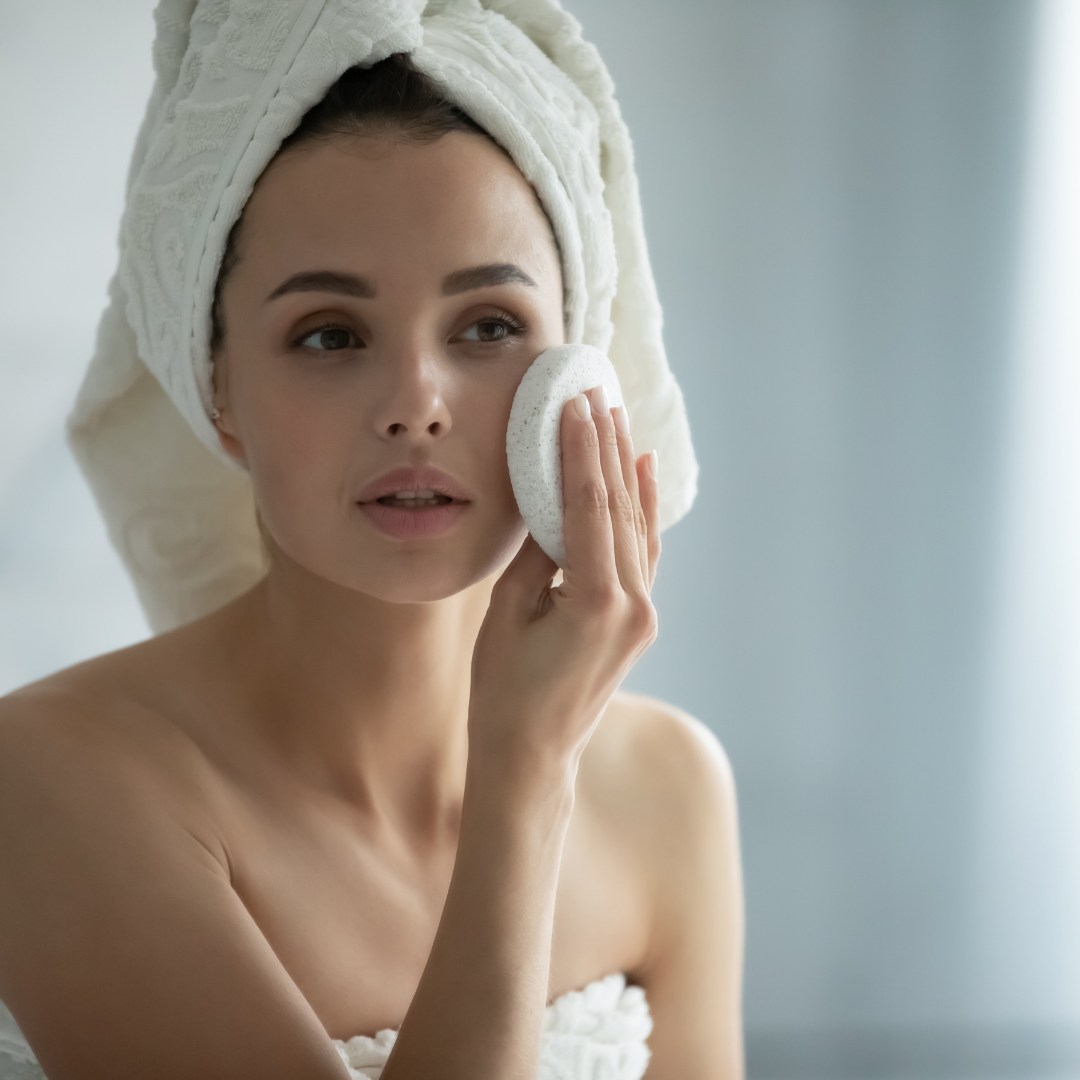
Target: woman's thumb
[(528, 575)]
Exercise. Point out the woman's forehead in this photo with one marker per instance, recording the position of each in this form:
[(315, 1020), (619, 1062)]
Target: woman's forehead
[(397, 206)]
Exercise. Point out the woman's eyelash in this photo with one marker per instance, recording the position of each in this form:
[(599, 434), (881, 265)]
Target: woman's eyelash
[(513, 326), (507, 320)]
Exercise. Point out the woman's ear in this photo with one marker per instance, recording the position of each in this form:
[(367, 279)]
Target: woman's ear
[(230, 441), (222, 417)]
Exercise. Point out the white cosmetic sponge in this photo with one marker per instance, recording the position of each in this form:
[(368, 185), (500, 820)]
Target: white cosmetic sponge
[(532, 436)]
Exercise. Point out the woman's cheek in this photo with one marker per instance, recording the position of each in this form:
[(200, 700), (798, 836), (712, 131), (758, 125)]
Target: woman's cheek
[(298, 450)]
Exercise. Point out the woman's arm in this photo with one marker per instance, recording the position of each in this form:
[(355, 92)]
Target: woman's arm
[(125, 954), (545, 667)]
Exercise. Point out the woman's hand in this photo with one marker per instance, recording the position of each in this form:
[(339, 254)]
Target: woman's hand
[(547, 660)]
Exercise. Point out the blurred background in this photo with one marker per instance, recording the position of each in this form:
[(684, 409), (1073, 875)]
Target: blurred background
[(864, 217)]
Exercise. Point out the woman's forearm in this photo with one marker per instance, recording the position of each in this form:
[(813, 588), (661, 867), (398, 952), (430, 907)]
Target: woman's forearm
[(478, 1010)]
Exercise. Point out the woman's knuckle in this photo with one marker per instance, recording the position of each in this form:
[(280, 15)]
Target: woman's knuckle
[(594, 497), (643, 620), (606, 597), (622, 506)]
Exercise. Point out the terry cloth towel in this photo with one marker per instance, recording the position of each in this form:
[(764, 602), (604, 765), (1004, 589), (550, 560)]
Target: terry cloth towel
[(234, 78)]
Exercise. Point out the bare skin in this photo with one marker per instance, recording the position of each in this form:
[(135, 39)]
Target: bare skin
[(394, 784)]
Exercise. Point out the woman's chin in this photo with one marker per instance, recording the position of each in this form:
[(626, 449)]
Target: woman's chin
[(420, 578), (426, 580)]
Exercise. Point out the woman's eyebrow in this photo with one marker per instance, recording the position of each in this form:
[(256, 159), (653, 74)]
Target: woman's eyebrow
[(333, 281), (480, 277), (330, 281)]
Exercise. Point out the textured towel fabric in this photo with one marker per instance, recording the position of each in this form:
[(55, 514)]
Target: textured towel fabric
[(598, 1033), (234, 77)]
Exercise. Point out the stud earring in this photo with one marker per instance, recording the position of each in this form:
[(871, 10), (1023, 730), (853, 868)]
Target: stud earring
[(215, 414)]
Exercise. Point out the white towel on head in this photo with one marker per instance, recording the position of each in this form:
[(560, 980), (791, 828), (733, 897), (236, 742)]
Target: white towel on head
[(234, 77)]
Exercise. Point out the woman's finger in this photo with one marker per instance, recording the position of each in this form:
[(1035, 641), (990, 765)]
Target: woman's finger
[(621, 509), (649, 486), (590, 556), (630, 479)]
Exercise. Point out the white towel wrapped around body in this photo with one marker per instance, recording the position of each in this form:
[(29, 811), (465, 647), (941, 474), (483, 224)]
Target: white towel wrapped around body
[(234, 78)]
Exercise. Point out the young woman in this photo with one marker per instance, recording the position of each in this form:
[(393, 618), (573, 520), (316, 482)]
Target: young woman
[(391, 786)]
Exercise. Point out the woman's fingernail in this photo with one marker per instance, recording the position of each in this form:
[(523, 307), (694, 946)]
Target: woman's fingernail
[(581, 403), (622, 421), (654, 464), (600, 401)]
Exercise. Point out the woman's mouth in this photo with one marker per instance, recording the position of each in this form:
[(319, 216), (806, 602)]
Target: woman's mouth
[(411, 504), (415, 500)]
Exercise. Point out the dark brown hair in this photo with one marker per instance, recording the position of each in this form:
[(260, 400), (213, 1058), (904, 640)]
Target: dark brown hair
[(389, 98)]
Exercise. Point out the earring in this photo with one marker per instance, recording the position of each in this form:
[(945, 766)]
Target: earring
[(215, 414)]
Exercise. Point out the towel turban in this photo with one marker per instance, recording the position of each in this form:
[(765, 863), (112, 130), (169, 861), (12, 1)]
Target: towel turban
[(233, 79)]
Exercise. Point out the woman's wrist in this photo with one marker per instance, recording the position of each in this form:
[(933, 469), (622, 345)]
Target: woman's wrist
[(533, 784)]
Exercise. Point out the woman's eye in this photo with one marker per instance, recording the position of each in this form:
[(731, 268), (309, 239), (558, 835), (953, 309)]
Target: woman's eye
[(491, 330), (329, 339)]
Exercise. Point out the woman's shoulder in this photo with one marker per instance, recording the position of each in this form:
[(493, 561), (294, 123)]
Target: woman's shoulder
[(659, 791), (97, 787), (652, 766), (98, 726), (88, 700), (133, 695)]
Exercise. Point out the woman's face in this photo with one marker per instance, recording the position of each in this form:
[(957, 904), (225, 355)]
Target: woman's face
[(388, 298)]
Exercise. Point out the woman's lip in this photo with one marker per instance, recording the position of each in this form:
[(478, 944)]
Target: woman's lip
[(409, 479), (404, 524)]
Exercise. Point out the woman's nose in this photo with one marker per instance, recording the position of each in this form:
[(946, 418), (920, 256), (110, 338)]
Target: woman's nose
[(413, 405)]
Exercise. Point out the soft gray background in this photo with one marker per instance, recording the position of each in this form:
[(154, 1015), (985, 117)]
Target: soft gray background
[(875, 603)]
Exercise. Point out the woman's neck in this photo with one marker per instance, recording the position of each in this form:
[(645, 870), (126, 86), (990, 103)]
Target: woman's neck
[(364, 697)]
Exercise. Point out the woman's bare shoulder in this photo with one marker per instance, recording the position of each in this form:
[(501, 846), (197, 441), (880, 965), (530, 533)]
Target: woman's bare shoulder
[(97, 787), (656, 762), (668, 797), (133, 693), (100, 724)]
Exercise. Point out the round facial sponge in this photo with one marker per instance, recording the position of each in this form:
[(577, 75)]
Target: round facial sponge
[(532, 436)]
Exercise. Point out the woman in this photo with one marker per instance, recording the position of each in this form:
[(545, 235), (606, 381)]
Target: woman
[(375, 777)]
